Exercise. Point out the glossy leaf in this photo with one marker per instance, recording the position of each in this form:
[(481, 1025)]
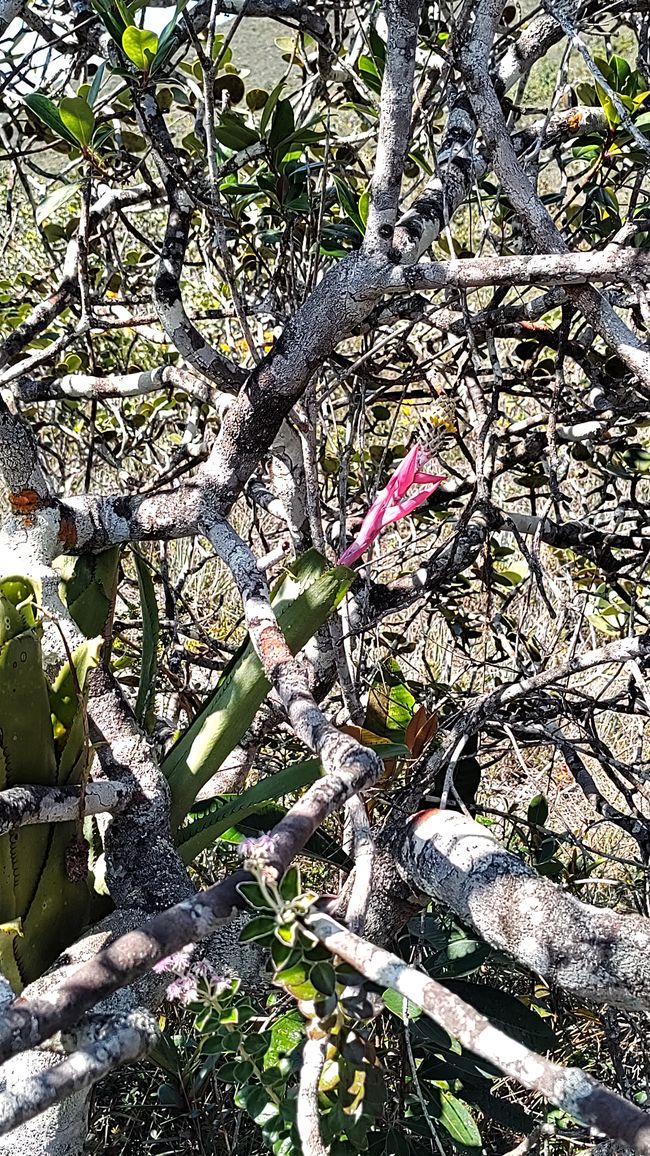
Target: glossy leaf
[(140, 45), (47, 111), (506, 1012), (79, 119)]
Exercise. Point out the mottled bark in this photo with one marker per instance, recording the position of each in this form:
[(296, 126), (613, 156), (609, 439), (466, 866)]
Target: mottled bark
[(591, 951)]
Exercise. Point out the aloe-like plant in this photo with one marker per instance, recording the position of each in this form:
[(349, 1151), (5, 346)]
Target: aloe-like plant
[(44, 895), (43, 739)]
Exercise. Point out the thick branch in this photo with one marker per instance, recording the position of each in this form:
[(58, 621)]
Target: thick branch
[(591, 951), (123, 1040), (610, 266), (402, 17)]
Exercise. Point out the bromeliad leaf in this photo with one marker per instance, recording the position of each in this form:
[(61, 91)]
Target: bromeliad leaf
[(150, 632), (205, 828), (34, 888), (88, 586), (302, 600), (321, 846)]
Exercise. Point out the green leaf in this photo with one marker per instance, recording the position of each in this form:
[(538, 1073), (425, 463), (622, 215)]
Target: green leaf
[(348, 202), (46, 111), (287, 1033), (233, 132), (257, 1102), (93, 92), (113, 23), (169, 29), (462, 954), (290, 886), (364, 205), (270, 105), (323, 977), (261, 927), (637, 458), (430, 1033), (150, 633), (511, 1115), (457, 1119), (608, 107), (619, 71), (253, 894), (56, 200), (390, 702), (64, 698), (231, 86), (170, 1096), (403, 1009), (454, 1066), (79, 118), (140, 45), (256, 1043), (302, 600), (34, 887), (256, 98), (282, 127), (220, 817), (586, 94), (321, 846), (538, 810), (88, 585), (506, 1013)]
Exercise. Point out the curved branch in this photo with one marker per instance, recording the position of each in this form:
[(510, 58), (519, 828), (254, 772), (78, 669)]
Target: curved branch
[(169, 303)]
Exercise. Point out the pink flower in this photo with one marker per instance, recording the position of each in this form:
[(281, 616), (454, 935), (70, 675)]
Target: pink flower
[(177, 962), (182, 989), (392, 504)]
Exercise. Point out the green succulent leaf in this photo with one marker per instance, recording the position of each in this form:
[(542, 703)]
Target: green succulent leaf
[(303, 599), (37, 722)]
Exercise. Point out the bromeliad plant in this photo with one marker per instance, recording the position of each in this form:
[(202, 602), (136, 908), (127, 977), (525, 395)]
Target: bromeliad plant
[(44, 895), (395, 501), (44, 903)]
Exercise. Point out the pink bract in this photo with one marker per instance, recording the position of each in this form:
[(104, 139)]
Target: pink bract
[(392, 503)]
